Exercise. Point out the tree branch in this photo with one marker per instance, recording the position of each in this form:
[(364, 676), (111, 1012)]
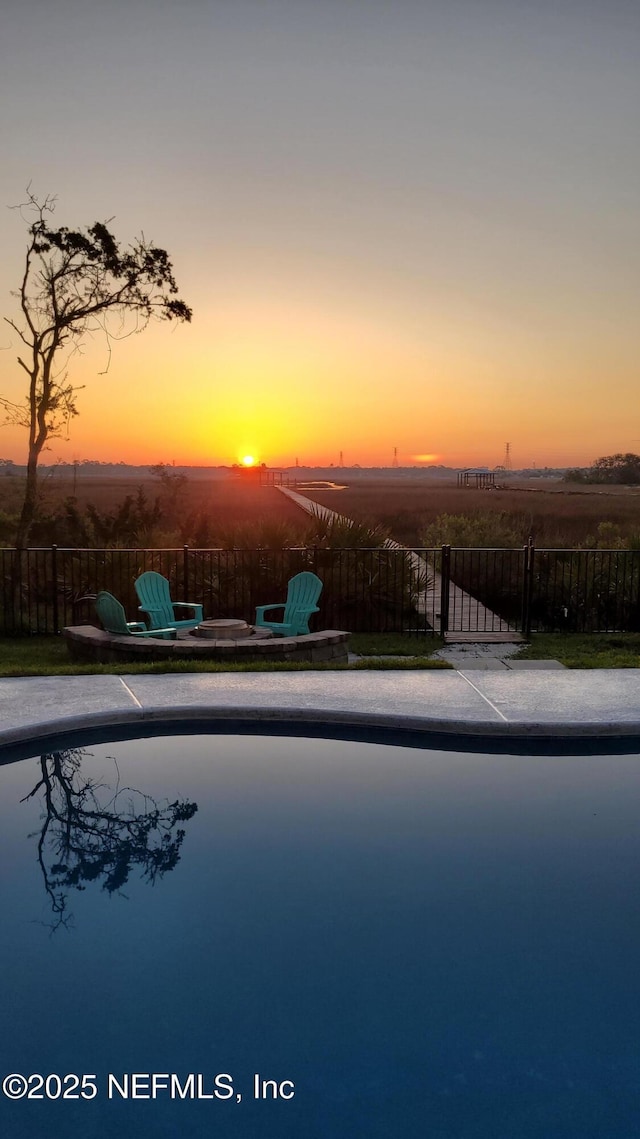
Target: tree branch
[(72, 281)]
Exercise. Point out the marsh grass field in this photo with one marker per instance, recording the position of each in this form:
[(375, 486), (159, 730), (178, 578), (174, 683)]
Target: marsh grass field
[(226, 504), (556, 514)]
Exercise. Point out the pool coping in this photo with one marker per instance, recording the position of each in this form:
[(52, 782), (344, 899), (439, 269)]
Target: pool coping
[(544, 704)]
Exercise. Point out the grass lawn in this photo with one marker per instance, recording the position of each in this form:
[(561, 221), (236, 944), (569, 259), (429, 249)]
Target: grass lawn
[(581, 650), (48, 656), (393, 644)]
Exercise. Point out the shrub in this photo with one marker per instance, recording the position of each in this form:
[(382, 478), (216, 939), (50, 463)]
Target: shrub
[(485, 530)]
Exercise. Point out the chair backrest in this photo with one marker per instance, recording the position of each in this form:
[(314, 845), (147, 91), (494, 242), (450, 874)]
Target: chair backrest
[(111, 613), (154, 593), (303, 592)]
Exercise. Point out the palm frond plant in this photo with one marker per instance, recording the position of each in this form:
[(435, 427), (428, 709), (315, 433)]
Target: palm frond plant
[(368, 586)]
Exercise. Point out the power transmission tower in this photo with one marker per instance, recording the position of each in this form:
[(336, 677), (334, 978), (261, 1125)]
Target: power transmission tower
[(395, 457), (507, 457)]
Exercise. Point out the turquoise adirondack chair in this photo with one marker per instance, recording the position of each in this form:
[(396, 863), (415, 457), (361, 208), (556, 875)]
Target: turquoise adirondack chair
[(114, 619), (154, 596), (302, 593)]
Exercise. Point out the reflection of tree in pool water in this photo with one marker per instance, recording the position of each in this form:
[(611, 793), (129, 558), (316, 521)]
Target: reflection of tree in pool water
[(87, 836)]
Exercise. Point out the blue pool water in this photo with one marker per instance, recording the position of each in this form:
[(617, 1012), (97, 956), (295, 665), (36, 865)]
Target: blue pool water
[(417, 943)]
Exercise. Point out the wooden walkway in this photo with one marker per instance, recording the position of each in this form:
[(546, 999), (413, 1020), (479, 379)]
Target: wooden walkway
[(469, 619)]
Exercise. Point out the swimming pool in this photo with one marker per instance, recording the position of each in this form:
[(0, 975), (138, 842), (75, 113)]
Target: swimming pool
[(392, 941)]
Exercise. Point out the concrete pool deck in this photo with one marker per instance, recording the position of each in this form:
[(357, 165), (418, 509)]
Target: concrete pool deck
[(544, 703)]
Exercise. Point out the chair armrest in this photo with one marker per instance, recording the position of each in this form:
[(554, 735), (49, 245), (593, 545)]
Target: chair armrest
[(148, 609), (187, 605), (137, 626), (262, 609)]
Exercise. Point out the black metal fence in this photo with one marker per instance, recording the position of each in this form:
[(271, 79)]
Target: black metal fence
[(365, 590)]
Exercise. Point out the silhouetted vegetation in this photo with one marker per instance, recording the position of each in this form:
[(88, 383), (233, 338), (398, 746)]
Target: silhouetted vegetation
[(72, 282), (484, 529), (616, 470), (246, 541)]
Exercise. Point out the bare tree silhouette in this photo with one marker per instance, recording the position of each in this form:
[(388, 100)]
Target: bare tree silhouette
[(87, 837), (74, 283)]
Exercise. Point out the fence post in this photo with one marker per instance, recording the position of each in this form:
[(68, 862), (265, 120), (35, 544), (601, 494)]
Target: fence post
[(54, 575), (524, 613), (21, 570), (635, 555), (185, 571), (445, 570), (527, 588)]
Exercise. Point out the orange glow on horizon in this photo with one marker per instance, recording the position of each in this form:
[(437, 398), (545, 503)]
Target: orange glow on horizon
[(355, 384)]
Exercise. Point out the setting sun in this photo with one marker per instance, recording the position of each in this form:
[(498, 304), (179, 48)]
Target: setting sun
[(248, 461)]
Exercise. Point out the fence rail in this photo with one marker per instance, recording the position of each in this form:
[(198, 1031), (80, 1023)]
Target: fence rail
[(422, 591)]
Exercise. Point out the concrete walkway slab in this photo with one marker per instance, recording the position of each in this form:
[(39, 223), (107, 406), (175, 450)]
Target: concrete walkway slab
[(396, 699), (472, 702), (596, 701), (30, 705), (477, 637)]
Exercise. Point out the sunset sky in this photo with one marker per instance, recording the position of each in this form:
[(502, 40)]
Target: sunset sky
[(409, 223)]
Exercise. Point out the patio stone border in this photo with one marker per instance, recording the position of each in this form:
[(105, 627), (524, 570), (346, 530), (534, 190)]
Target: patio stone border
[(87, 644)]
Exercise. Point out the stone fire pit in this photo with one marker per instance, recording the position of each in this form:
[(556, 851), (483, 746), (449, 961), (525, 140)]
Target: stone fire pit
[(222, 640), (229, 629)]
